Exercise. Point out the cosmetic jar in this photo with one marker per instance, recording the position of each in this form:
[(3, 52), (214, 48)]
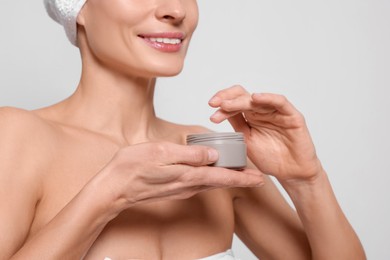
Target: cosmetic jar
[(230, 146)]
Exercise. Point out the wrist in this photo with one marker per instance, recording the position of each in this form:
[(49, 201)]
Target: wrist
[(105, 196), (313, 198), (309, 174), (311, 184)]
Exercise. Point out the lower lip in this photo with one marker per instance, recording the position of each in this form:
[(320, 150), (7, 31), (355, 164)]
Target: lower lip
[(163, 46)]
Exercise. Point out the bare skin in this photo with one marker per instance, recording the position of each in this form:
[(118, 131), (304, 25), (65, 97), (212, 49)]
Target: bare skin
[(63, 158), (100, 175)]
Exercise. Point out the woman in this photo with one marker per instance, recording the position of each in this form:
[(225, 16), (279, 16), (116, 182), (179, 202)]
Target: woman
[(98, 175)]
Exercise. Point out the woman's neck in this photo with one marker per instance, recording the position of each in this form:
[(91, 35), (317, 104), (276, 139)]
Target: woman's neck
[(113, 104)]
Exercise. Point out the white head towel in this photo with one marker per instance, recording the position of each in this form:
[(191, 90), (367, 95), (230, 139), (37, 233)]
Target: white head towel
[(65, 12)]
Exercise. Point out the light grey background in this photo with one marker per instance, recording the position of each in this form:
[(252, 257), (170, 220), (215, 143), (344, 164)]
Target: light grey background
[(330, 58)]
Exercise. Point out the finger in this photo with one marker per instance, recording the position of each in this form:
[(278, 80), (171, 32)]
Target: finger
[(277, 102), (221, 115), (270, 120), (221, 177), (194, 155), (239, 124), (240, 103), (226, 94)]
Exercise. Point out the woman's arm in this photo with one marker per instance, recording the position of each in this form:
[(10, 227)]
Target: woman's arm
[(19, 193), (279, 144), (24, 152), (272, 229), (329, 232), (267, 224), (70, 234)]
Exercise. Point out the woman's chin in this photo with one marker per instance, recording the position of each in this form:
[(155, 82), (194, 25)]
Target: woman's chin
[(168, 72), (153, 71)]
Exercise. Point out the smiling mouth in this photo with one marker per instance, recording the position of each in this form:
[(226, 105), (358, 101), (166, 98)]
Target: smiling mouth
[(166, 42), (173, 41)]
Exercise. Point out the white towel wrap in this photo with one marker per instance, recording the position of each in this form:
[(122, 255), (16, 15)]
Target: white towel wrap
[(65, 12)]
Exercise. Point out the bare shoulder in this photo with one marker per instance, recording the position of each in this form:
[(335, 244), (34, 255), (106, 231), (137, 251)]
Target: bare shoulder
[(19, 124), (14, 116), (25, 137)]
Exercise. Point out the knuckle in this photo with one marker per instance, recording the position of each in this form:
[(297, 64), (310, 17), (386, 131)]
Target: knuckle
[(295, 121), (199, 155), (283, 99), (228, 106), (300, 119), (239, 87), (160, 149)]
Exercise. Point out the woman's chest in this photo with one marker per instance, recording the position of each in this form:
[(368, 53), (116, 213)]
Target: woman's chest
[(203, 223), (169, 230), (195, 227)]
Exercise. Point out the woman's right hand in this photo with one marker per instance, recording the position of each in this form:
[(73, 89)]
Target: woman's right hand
[(165, 171)]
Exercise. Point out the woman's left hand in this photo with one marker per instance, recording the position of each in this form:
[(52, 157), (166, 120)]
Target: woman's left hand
[(276, 134)]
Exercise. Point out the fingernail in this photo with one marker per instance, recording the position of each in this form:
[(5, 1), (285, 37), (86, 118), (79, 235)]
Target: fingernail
[(214, 100), (256, 95), (213, 117), (215, 120), (213, 155)]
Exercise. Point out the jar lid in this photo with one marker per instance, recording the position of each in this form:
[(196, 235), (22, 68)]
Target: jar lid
[(213, 137)]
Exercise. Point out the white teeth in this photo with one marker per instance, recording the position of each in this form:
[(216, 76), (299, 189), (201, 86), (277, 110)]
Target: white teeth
[(166, 40)]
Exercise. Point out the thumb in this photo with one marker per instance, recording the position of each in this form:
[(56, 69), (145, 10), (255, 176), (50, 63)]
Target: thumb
[(194, 155), (239, 124)]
